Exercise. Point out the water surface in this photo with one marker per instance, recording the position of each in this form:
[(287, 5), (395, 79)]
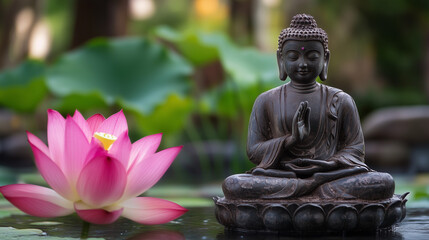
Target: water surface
[(198, 223)]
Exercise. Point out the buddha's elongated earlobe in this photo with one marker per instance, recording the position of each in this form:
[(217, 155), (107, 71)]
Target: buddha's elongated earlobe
[(324, 74), (280, 63)]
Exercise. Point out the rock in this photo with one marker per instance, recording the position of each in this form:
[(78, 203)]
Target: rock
[(386, 153), (403, 124)]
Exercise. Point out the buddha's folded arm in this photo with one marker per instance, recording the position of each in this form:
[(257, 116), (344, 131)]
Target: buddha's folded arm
[(350, 146), (264, 154), (265, 146)]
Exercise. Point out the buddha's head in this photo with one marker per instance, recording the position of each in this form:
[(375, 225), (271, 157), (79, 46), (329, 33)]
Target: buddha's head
[(303, 52)]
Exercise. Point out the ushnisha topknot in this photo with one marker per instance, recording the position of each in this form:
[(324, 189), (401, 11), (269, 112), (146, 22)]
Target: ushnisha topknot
[(303, 27)]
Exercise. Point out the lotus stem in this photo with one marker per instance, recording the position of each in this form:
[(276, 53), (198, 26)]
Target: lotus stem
[(85, 230)]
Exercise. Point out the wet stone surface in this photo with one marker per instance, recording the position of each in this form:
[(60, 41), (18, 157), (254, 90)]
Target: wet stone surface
[(198, 223)]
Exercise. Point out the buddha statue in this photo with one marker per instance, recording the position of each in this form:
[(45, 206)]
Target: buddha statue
[(306, 137), (307, 143)]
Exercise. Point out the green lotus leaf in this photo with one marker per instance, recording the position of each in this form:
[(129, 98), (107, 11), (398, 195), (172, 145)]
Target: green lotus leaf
[(168, 117), (246, 65), (191, 45), (231, 99), (46, 223), (22, 88), (249, 71), (136, 73), (30, 234), (82, 102)]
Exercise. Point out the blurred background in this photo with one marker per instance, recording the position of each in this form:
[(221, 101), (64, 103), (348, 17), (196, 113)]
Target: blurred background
[(191, 69)]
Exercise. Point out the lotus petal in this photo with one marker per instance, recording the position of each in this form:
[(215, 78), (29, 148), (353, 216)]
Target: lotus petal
[(50, 171), (148, 210), (83, 124), (121, 148), (144, 147), (96, 216), (146, 173), (75, 151), (114, 125), (160, 235), (94, 122), (56, 131), (94, 169), (37, 201), (95, 149), (37, 143), (102, 181)]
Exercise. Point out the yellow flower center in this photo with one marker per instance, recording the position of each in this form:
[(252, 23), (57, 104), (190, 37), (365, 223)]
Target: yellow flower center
[(106, 139)]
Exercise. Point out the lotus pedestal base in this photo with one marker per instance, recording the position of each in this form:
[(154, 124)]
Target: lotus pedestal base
[(310, 217)]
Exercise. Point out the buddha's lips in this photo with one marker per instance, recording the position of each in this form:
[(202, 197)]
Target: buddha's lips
[(303, 72)]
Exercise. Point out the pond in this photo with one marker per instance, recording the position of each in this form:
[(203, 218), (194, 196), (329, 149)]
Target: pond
[(198, 223)]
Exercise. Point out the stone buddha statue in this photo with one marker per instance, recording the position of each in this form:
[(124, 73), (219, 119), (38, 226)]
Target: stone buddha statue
[(306, 137), (306, 141)]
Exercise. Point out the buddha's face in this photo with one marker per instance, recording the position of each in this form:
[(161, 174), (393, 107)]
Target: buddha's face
[(303, 61)]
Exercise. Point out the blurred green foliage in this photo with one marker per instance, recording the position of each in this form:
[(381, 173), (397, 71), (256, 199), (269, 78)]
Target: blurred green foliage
[(168, 118), (23, 88), (396, 29), (168, 85), (198, 48), (397, 32), (135, 73), (245, 64), (157, 84), (375, 99), (248, 71)]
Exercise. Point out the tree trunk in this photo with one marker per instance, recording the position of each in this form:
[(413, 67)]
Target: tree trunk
[(241, 20), (14, 44), (99, 18), (425, 66)]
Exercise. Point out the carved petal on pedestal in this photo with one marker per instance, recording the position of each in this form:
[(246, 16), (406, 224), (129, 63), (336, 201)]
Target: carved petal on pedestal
[(247, 217), (404, 201), (309, 217), (224, 216), (393, 214), (404, 209), (342, 218), (277, 217), (371, 217)]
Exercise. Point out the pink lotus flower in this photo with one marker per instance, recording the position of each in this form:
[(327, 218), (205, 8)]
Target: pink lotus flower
[(95, 171)]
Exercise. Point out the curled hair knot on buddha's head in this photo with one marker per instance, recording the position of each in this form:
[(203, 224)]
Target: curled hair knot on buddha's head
[(303, 27)]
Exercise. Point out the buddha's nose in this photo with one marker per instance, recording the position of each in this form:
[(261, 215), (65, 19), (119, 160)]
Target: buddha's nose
[(302, 64)]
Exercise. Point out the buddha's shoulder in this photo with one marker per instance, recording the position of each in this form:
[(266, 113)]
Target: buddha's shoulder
[(339, 98), (337, 93), (271, 94)]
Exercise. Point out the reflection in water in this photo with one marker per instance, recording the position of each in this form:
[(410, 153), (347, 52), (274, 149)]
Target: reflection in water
[(200, 223), (273, 236), (158, 235)]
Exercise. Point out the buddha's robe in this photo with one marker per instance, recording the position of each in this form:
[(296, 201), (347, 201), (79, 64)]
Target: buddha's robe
[(336, 135)]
